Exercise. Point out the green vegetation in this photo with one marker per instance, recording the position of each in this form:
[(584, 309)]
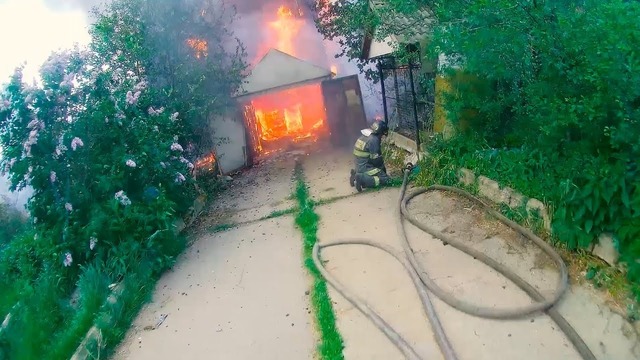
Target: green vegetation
[(545, 98), (107, 142), (307, 220)]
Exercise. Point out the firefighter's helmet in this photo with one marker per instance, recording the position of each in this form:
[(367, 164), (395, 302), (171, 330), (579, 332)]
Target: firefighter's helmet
[(379, 127)]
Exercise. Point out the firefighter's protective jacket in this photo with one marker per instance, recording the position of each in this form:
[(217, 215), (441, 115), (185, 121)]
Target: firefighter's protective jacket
[(368, 153)]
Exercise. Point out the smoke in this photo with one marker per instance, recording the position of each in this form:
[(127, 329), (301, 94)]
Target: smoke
[(67, 5), (252, 28)]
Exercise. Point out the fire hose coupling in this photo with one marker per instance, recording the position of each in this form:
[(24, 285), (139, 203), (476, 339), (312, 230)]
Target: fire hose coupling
[(409, 167)]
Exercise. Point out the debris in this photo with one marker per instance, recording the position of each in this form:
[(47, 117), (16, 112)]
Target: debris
[(161, 320)]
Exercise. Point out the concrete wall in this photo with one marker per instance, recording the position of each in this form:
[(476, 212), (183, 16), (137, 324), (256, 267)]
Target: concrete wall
[(230, 142)]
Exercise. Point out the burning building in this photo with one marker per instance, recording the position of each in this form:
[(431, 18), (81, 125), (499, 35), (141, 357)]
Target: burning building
[(287, 101)]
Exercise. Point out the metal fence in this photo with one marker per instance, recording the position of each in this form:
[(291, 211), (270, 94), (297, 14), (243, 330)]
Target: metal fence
[(408, 98)]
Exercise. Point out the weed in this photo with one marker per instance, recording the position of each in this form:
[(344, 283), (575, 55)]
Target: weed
[(331, 343), (223, 228), (279, 213)]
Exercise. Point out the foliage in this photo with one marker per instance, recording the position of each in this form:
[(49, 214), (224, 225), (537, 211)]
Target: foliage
[(546, 95), (331, 343), (104, 140), (186, 49)]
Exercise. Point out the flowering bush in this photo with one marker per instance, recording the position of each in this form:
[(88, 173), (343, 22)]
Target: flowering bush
[(102, 157)]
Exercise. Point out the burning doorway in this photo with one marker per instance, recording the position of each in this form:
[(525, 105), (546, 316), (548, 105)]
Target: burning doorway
[(285, 117)]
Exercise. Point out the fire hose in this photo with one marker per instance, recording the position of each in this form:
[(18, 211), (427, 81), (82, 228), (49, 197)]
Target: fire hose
[(425, 285)]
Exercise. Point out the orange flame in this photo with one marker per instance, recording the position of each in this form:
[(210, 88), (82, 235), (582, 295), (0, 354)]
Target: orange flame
[(284, 30), (201, 47), (294, 114)]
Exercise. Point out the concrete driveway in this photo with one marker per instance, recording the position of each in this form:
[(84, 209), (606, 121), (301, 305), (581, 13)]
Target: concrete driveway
[(242, 293)]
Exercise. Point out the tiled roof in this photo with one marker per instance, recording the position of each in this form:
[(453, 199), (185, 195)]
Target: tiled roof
[(405, 27)]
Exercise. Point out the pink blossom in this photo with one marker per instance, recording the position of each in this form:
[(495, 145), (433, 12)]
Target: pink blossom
[(132, 98), (75, 143), (130, 163), (140, 86), (187, 162), (68, 206), (32, 124), (180, 178), (60, 149), (68, 259), (176, 147), (53, 177), (154, 112)]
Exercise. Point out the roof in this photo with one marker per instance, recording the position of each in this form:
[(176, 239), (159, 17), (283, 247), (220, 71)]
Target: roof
[(277, 71), (401, 28)]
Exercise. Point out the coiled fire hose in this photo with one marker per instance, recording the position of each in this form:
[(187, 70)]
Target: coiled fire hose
[(425, 285)]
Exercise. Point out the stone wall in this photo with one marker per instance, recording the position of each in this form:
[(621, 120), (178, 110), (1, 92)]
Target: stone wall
[(491, 189)]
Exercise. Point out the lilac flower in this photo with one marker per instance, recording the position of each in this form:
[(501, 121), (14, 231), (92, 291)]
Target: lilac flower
[(32, 140), (53, 177), (130, 163), (154, 112), (140, 86), (176, 147), (92, 243), (68, 259), (75, 143), (60, 149), (187, 162), (180, 178), (32, 124), (69, 207), (174, 117), (5, 105), (122, 198), (132, 98)]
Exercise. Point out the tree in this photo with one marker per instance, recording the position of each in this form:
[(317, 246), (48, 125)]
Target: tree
[(188, 53)]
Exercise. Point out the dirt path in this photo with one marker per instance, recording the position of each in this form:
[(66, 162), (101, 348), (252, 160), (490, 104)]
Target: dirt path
[(238, 294)]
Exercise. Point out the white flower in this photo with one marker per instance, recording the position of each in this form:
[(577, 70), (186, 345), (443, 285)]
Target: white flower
[(68, 259), (180, 178), (68, 206), (92, 243), (164, 166), (176, 147), (130, 163), (174, 117), (53, 177), (122, 198), (76, 142)]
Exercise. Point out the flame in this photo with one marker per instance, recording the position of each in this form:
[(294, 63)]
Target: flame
[(201, 47), (206, 163), (283, 30), (293, 115)]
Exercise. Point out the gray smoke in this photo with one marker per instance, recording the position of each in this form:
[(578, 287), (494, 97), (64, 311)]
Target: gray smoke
[(66, 5)]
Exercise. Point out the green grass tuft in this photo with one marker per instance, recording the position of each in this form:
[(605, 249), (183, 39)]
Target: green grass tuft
[(307, 220)]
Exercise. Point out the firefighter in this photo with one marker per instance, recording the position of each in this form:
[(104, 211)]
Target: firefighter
[(370, 171)]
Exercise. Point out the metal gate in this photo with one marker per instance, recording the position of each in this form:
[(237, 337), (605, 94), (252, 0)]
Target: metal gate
[(408, 96)]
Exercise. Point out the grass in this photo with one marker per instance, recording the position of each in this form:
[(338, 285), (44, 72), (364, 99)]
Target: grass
[(307, 220), (582, 265)]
